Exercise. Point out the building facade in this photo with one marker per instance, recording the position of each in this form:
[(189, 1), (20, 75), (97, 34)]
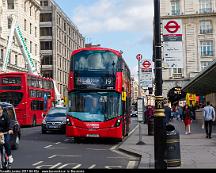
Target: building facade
[(58, 38), (198, 39), (27, 13)]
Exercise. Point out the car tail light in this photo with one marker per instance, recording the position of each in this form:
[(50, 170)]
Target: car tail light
[(68, 122), (118, 122)]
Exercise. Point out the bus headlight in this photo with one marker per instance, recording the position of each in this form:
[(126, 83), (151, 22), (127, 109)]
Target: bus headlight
[(118, 122)]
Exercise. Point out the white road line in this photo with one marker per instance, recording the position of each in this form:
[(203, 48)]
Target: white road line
[(131, 164), (68, 155), (114, 147), (110, 167), (48, 146), (133, 130), (92, 166), (77, 166), (97, 149), (54, 166), (37, 163), (117, 157), (63, 166), (50, 157), (57, 142)]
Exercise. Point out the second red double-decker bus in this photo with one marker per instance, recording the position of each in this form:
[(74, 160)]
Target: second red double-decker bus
[(99, 94), (31, 95)]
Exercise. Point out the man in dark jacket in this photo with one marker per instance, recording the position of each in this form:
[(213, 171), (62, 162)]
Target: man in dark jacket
[(6, 126)]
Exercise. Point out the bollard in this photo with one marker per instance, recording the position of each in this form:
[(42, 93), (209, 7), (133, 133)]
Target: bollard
[(172, 152), (151, 126)]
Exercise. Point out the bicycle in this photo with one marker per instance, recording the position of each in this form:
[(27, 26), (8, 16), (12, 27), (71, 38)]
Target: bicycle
[(4, 158)]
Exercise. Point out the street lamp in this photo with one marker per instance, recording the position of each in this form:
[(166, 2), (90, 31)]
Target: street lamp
[(159, 117)]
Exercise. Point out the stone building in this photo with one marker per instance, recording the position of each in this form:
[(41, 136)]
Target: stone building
[(199, 38), (58, 38), (27, 13)]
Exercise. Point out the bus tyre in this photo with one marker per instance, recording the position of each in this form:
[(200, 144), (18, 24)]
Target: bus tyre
[(76, 140), (34, 121)]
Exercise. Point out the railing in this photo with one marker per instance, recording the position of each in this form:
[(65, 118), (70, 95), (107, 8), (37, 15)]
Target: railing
[(206, 31), (207, 53), (175, 12), (177, 75), (206, 10)]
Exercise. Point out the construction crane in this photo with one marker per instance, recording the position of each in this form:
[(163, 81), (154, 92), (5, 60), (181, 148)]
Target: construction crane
[(16, 31)]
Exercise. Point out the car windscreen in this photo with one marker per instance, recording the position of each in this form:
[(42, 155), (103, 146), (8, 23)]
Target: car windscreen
[(57, 112)]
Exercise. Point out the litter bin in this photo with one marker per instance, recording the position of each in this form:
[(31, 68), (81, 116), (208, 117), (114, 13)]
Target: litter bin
[(151, 126), (172, 151)]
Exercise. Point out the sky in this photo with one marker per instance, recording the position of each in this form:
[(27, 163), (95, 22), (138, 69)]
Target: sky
[(125, 25)]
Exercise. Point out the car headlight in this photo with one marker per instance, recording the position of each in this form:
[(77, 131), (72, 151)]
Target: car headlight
[(44, 121)]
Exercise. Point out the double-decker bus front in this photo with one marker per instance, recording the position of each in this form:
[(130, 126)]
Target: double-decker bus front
[(95, 105)]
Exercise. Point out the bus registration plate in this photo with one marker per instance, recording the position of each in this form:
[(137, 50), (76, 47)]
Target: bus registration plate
[(93, 135)]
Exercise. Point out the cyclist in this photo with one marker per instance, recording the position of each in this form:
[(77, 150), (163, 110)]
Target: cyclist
[(6, 126)]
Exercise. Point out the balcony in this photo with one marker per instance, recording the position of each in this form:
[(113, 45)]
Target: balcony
[(175, 12), (206, 31), (177, 76), (207, 53), (205, 10)]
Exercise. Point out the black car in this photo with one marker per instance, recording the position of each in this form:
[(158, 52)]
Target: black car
[(15, 137), (55, 120)]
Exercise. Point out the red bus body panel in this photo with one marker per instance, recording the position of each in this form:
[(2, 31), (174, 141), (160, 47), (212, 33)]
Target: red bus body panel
[(105, 129), (23, 110)]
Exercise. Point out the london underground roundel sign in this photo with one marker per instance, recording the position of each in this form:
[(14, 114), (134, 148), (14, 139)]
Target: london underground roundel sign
[(172, 26), (146, 64)]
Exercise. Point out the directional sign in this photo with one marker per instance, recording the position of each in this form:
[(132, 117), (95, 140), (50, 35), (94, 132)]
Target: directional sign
[(146, 64), (139, 57)]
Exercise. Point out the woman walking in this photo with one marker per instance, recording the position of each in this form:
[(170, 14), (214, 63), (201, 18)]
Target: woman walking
[(187, 117)]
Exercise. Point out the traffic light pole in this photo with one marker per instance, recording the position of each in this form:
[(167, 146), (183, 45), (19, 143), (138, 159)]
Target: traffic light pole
[(159, 117)]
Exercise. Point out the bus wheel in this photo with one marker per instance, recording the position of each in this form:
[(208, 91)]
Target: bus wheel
[(77, 140), (34, 121)]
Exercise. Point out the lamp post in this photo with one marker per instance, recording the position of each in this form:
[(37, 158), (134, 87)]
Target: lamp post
[(159, 117)]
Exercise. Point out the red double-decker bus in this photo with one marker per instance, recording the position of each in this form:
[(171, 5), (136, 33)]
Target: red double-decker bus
[(99, 94), (31, 95)]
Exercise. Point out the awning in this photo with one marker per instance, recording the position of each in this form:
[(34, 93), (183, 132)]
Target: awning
[(204, 83)]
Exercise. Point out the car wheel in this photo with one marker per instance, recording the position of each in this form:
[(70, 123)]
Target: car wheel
[(16, 143)]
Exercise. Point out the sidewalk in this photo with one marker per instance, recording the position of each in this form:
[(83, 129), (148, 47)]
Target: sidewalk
[(197, 151)]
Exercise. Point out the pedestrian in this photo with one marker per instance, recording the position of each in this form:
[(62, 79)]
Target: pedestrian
[(209, 117), (187, 118), (149, 113)]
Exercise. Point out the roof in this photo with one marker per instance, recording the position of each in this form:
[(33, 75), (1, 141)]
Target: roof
[(204, 83)]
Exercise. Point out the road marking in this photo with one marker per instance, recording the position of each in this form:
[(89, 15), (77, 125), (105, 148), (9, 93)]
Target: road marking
[(92, 166), (97, 149), (110, 167), (63, 166), (117, 157), (131, 164), (37, 163), (66, 140), (48, 146), (77, 166), (133, 130), (114, 147), (68, 155), (57, 143), (50, 157), (54, 166)]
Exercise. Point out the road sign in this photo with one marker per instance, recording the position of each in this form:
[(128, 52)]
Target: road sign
[(172, 26), (146, 64), (139, 57)]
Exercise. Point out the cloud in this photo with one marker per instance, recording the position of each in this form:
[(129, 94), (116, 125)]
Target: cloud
[(114, 15)]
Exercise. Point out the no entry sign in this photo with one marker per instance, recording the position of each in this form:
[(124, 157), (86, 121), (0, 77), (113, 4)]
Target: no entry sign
[(139, 57)]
